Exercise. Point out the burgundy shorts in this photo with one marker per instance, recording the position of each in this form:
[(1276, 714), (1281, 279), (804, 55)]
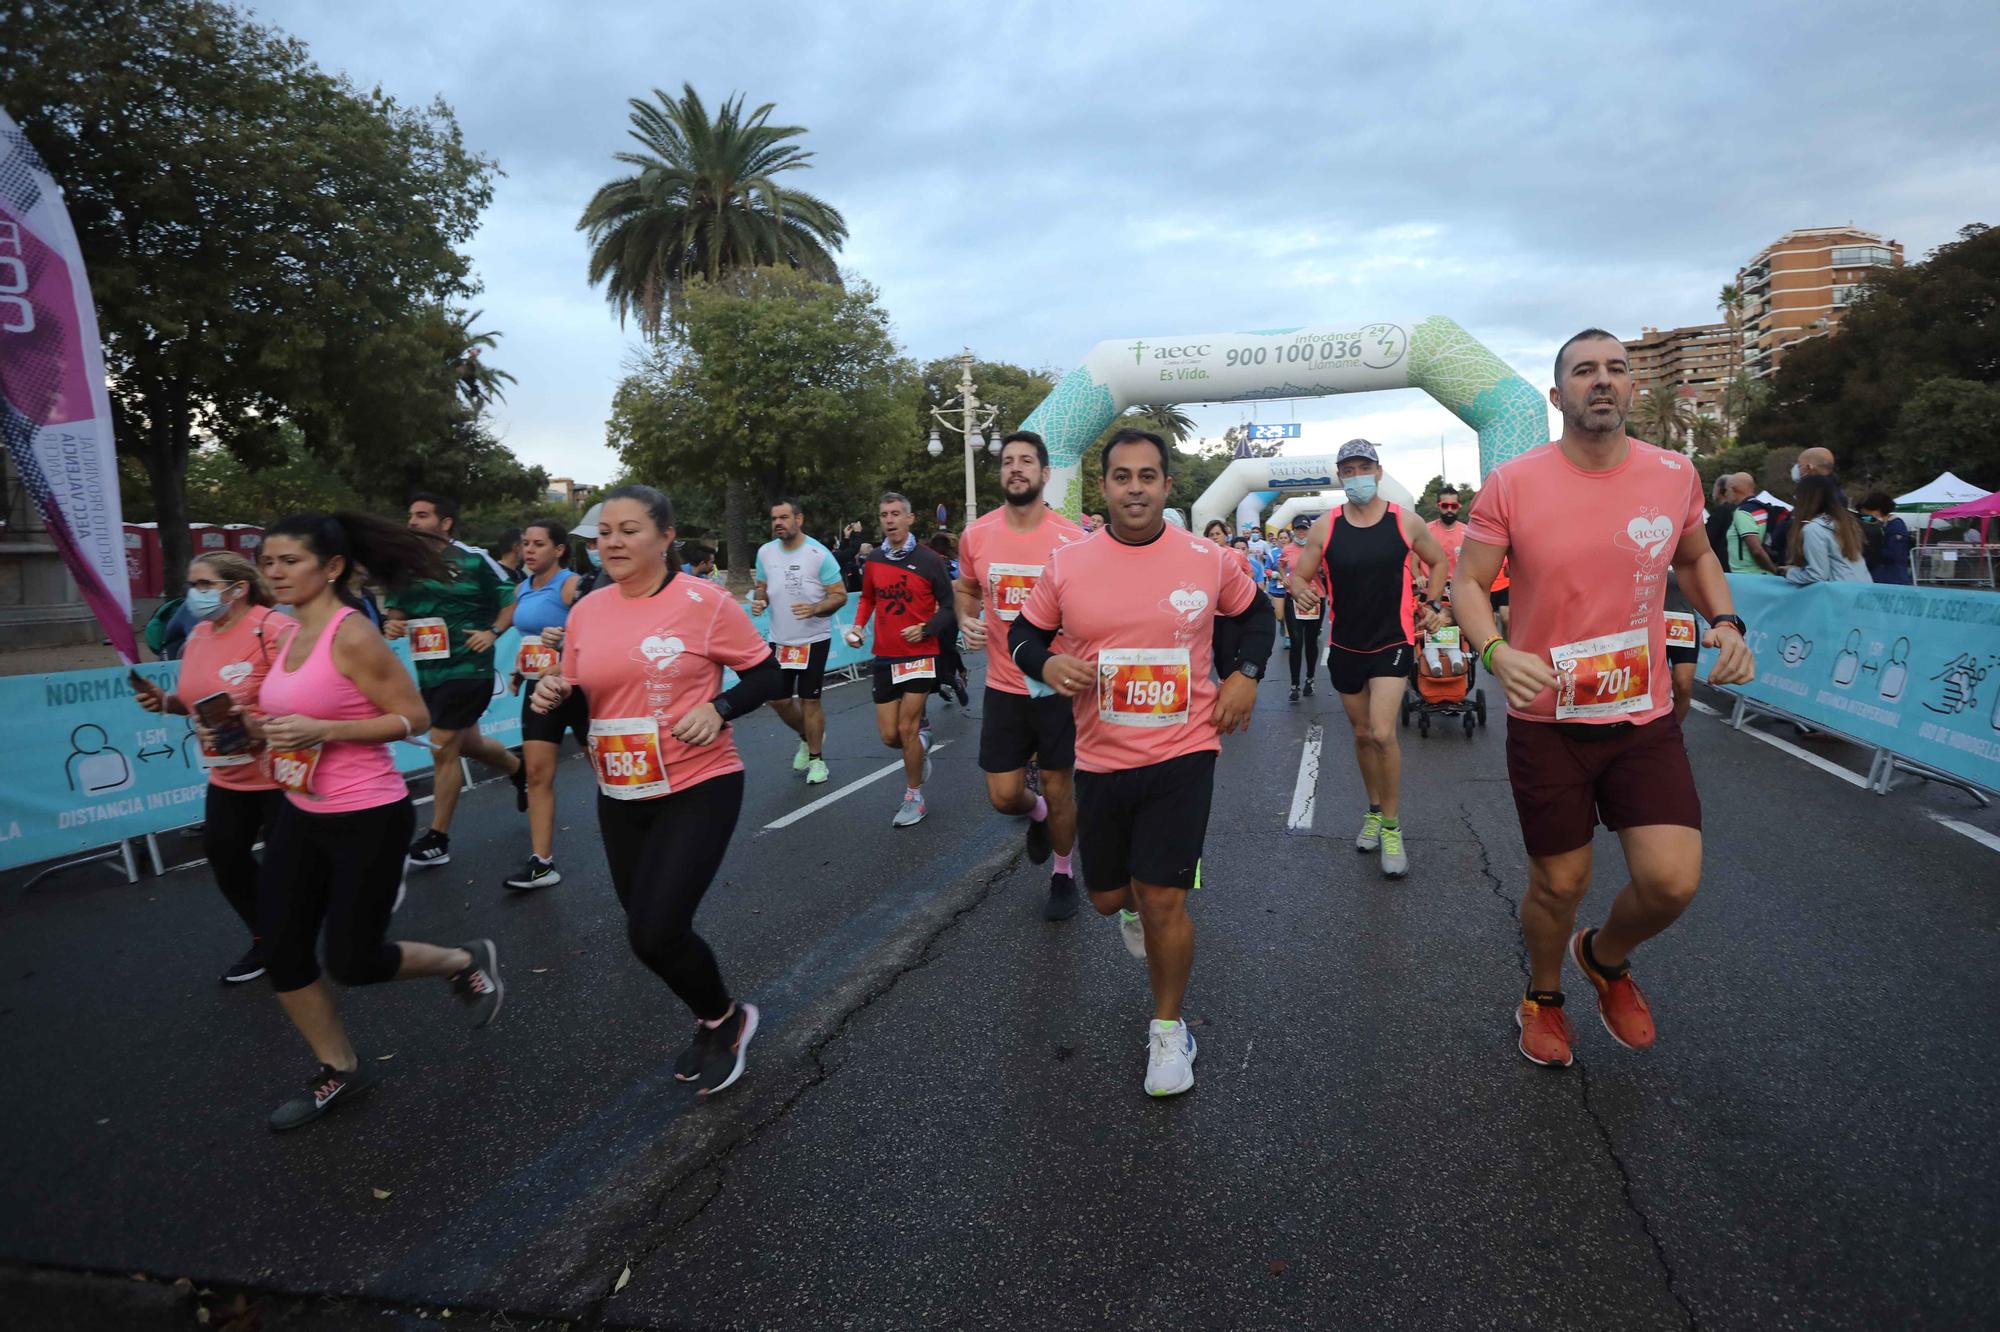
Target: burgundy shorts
[(1568, 777)]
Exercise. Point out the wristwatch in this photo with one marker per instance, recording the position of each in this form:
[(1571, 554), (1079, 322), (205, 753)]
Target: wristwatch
[(1253, 669), (1734, 621)]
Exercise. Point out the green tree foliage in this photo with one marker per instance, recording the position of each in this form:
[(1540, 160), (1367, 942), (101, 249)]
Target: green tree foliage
[(705, 198), (1427, 507), (1939, 319), (1663, 417), (265, 242), (1947, 425), (929, 481), (776, 381)]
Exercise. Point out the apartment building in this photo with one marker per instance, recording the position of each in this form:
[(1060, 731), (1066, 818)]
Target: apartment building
[(1800, 285), (1695, 361)]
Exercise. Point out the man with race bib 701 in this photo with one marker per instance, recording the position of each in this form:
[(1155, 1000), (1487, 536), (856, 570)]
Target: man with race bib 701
[(799, 580), (1591, 523)]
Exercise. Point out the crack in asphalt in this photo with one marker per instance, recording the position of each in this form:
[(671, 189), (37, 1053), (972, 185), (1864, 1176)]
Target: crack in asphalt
[(1513, 905), (716, 1164)]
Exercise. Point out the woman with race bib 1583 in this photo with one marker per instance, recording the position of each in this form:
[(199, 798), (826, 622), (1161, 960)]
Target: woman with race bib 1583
[(648, 653)]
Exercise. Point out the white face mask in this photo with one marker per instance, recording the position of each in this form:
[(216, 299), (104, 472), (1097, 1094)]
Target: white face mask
[(1795, 473)]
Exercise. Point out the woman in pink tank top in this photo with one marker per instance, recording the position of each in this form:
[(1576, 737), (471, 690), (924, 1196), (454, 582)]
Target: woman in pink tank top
[(331, 706)]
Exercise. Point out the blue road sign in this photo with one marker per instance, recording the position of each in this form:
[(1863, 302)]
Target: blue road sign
[(1275, 430)]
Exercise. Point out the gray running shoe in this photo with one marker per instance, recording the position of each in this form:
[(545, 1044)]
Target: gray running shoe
[(1133, 930), (1394, 863), (324, 1090), (1371, 832), (479, 987), (912, 811)]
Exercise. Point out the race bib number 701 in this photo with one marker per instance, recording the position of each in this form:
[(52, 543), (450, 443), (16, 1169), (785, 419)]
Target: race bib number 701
[(1610, 676)]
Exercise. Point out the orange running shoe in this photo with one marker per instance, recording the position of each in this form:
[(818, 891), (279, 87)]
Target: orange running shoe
[(1624, 1010), (1544, 1031)]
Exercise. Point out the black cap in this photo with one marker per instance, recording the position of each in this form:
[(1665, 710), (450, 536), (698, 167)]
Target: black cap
[(1300, 520)]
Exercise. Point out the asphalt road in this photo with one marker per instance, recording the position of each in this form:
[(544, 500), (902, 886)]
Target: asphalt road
[(943, 1123)]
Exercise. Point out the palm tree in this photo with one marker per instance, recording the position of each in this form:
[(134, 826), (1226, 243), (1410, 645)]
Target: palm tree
[(1730, 301), (1663, 417), (704, 199), (478, 382), (1166, 419)]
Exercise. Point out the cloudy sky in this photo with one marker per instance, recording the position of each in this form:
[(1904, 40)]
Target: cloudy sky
[(1029, 179)]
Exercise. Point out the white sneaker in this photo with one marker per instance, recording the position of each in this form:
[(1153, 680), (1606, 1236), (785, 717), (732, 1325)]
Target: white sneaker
[(910, 812), (802, 758), (1134, 931), (1170, 1064)]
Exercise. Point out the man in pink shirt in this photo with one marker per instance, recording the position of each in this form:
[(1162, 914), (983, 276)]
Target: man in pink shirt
[(1589, 525), (1137, 605), (1000, 559)]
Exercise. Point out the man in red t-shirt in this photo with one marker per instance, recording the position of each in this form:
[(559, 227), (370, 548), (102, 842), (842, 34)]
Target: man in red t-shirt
[(906, 590), (1590, 524), (1000, 559), (1136, 605)]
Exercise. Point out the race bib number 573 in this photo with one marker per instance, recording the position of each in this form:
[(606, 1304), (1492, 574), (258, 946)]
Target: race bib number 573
[(1144, 686), (1609, 676), (626, 753)]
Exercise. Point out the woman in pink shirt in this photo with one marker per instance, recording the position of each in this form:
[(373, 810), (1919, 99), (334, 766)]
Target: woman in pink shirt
[(333, 702), (648, 653), (228, 653)]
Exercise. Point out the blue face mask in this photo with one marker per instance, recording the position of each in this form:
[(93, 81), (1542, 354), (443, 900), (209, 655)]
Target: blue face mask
[(204, 604), (596, 560), (1360, 489)]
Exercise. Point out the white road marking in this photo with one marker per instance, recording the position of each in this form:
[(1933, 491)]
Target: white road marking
[(1306, 792), (787, 820), (1979, 835), (1847, 775)]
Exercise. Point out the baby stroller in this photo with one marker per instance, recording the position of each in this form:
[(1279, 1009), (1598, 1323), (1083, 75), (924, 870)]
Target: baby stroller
[(1442, 684)]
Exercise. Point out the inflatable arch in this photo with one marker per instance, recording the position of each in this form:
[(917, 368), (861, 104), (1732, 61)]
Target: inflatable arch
[(1432, 354)]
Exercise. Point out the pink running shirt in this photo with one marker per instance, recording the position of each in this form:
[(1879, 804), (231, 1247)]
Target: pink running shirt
[(1589, 553), (661, 656), (1007, 565), (234, 662), (348, 774), (1145, 615)]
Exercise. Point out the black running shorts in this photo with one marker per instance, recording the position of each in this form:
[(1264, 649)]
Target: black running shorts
[(573, 715), (807, 681), (1351, 671), (457, 705), (1015, 728), (1145, 824), (888, 691)]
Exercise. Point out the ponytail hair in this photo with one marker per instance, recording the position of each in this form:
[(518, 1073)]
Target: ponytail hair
[(558, 537), (658, 507), (393, 555), (235, 568)]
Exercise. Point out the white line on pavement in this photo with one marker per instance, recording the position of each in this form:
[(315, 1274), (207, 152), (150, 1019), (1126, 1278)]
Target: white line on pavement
[(1847, 775), (1306, 792), (1979, 835), (787, 820)]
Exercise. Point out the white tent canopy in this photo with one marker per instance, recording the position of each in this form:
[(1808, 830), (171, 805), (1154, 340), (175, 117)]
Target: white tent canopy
[(1947, 490)]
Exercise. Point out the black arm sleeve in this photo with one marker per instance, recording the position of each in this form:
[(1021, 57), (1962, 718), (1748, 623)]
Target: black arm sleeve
[(753, 688), (1247, 635), (1029, 646), (946, 619)]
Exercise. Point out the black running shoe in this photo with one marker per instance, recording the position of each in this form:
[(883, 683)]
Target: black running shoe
[(430, 850), (246, 968), (1295, 694), (687, 1064), (1062, 898), (520, 779), (1038, 841), (722, 1048), (537, 873), (479, 986), (958, 688), (324, 1090), (1307, 689)]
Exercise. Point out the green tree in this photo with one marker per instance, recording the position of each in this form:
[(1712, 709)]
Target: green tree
[(263, 239), (1707, 433), (1164, 419), (1663, 417), (1931, 320), (704, 199), (1014, 390), (1947, 425), (1731, 301), (775, 384)]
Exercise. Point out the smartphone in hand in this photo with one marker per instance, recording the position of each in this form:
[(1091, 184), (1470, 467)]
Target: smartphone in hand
[(218, 713)]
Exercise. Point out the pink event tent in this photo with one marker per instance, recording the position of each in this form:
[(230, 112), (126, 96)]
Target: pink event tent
[(1985, 510)]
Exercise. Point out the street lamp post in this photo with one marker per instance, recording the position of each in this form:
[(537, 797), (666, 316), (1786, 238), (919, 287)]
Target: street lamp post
[(974, 417)]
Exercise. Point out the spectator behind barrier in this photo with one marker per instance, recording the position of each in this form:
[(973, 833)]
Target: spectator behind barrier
[(1885, 540), (1826, 540)]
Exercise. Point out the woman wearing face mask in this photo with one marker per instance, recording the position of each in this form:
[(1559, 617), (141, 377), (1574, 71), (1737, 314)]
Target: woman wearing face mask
[(334, 701), (649, 652), (540, 614), (228, 652)]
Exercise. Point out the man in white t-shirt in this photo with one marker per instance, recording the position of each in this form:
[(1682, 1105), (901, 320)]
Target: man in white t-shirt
[(799, 580)]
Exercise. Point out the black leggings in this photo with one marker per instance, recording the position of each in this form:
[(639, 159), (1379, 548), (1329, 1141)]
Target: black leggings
[(231, 825), (1305, 646), (663, 855), (341, 871)]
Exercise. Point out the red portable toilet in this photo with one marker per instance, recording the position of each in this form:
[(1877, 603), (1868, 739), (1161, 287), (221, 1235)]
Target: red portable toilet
[(206, 539), (142, 559), (244, 538)]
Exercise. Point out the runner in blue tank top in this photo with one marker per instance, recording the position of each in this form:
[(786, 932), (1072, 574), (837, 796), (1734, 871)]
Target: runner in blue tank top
[(540, 613), (1371, 639)]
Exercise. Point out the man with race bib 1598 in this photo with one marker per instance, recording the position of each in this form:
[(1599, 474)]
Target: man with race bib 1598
[(1000, 560), (1136, 606), (799, 580), (1591, 524)]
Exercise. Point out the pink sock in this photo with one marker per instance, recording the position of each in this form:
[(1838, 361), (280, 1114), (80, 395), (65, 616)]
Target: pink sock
[(1040, 811), (1062, 865)]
